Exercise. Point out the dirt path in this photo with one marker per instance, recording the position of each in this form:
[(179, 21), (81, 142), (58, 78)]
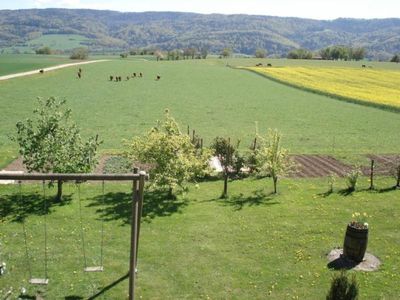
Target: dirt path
[(5, 77)]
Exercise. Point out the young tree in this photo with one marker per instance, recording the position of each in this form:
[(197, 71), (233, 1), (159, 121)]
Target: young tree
[(225, 152), (395, 58), (79, 53), (273, 158), (226, 52), (395, 171), (173, 157), (260, 53), (51, 142)]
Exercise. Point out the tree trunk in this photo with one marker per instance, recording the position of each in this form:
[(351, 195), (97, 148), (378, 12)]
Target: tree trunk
[(170, 194), (275, 179), (59, 191), (225, 193), (371, 179), (398, 177)]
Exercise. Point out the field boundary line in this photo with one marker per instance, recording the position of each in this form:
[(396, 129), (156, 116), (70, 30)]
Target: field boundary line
[(37, 71), (386, 107)]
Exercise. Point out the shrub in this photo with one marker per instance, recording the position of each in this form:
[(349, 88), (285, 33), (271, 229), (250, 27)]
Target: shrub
[(79, 53), (44, 50), (342, 288), (352, 178)]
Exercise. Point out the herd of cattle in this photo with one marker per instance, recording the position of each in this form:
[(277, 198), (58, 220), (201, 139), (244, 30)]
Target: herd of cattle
[(112, 78)]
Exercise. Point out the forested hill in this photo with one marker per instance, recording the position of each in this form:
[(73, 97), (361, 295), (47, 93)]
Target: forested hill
[(170, 30)]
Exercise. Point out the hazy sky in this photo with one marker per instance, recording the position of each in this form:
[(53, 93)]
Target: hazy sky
[(315, 9)]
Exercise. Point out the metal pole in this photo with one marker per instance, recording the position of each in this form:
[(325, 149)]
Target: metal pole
[(132, 261)]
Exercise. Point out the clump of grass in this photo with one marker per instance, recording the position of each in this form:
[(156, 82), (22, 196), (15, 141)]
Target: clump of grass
[(117, 165), (342, 288)]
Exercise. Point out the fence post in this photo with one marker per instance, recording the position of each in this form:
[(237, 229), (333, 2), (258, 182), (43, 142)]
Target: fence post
[(132, 262), (140, 210), (371, 179)]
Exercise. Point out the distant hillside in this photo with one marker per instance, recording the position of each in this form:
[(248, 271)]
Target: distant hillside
[(107, 30)]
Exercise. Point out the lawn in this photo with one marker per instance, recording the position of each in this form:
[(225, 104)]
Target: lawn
[(206, 95), (367, 86), (11, 63), (253, 245)]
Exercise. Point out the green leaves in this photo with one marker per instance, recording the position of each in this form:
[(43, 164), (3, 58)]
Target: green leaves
[(173, 159), (51, 142)]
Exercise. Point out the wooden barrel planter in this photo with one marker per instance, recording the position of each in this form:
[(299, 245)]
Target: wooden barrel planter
[(355, 243)]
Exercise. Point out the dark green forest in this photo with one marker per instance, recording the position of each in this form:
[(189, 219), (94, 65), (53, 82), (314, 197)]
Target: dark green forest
[(114, 31)]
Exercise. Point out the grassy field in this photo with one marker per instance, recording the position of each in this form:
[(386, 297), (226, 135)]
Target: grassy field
[(11, 63), (283, 62), (369, 86), (252, 245), (54, 41), (59, 41), (208, 96)]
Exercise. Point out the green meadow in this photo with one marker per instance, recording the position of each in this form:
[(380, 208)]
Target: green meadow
[(253, 245), (11, 63), (208, 96)]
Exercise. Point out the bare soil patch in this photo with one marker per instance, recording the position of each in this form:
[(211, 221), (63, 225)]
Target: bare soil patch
[(319, 166), (308, 166), (383, 163)]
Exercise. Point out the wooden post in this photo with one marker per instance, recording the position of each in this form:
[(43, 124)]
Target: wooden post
[(140, 206), (371, 186), (255, 144), (188, 131), (194, 132), (132, 262)]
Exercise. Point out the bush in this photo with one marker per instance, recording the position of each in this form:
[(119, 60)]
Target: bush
[(44, 50), (352, 178), (342, 288), (79, 53)]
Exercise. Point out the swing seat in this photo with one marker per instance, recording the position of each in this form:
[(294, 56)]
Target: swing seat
[(41, 281), (94, 269)]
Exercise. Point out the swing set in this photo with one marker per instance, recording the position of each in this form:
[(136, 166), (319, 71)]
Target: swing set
[(138, 179)]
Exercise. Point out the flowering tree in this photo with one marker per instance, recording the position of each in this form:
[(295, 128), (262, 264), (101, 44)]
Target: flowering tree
[(173, 158), (273, 159)]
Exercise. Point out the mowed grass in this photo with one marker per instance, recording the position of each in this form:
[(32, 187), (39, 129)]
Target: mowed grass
[(253, 245), (210, 97), (11, 63), (377, 87)]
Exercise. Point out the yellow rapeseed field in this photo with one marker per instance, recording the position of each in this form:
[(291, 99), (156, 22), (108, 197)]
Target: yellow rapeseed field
[(364, 84)]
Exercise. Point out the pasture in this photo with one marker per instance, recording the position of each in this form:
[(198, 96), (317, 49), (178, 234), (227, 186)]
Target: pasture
[(252, 245), (206, 95), (11, 63)]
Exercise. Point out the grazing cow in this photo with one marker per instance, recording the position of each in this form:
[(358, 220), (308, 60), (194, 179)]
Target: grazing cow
[(269, 65), (111, 78), (259, 65), (158, 77), (119, 78), (134, 74), (140, 74), (127, 77), (41, 71), (364, 66)]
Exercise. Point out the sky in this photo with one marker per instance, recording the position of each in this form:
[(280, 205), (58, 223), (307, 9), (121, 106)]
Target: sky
[(314, 9)]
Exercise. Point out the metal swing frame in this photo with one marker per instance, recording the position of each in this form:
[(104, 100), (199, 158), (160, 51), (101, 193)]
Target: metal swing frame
[(138, 180)]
